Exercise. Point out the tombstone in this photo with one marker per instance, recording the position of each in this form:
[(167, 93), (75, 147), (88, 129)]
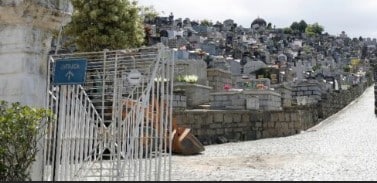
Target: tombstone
[(221, 64), (282, 58), (252, 66), (192, 67), (271, 73)]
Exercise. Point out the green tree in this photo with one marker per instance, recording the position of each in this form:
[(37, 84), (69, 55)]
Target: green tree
[(314, 29), (148, 13), (299, 26), (287, 30), (302, 26), (105, 24), (19, 134), (294, 26), (206, 22)]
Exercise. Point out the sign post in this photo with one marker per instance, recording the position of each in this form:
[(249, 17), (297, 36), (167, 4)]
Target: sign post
[(69, 72)]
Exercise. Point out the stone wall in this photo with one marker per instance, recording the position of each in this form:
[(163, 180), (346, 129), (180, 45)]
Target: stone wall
[(335, 101), (220, 126), (25, 33)]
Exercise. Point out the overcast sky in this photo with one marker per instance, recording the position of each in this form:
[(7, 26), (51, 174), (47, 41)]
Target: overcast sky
[(355, 17)]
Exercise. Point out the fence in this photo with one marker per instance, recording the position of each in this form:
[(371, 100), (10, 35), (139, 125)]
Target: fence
[(118, 124)]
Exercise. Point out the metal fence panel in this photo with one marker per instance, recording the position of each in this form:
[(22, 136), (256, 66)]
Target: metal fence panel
[(118, 124)]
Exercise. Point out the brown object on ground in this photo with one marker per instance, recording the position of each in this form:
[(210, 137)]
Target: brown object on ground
[(183, 142)]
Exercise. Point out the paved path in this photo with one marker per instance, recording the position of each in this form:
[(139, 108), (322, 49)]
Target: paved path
[(342, 147)]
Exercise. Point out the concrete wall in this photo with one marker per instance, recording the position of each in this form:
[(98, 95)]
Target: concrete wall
[(195, 94), (220, 126), (267, 100)]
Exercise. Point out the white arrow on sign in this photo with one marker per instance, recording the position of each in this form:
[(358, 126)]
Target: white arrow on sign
[(69, 75)]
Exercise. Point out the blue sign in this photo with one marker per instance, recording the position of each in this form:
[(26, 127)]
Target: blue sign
[(69, 71)]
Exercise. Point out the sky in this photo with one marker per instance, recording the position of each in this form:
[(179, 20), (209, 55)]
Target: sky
[(355, 17)]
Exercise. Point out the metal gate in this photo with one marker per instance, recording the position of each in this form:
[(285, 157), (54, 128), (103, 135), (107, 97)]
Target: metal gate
[(116, 126)]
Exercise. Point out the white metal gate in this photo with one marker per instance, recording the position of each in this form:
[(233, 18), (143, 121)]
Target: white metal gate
[(116, 126)]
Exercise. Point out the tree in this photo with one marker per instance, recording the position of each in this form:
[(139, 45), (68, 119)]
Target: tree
[(302, 26), (105, 24), (314, 29), (206, 22), (287, 30), (269, 26), (299, 26), (19, 134), (295, 26), (208, 59), (148, 13)]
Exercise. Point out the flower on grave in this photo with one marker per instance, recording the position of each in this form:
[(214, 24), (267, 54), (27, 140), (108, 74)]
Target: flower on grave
[(190, 78), (227, 87)]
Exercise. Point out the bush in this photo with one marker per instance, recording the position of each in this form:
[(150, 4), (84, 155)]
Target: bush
[(19, 130)]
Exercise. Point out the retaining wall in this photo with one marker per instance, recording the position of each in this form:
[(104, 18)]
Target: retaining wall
[(220, 126)]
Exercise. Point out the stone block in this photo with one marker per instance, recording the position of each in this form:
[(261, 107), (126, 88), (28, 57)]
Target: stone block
[(252, 103), (215, 125), (218, 98), (208, 118), (297, 125), (258, 124), (291, 125), (287, 117), (243, 125), (258, 134), (284, 126), (218, 117), (228, 119), (281, 116), (274, 117), (270, 124), (239, 102), (245, 118), (250, 135), (236, 118)]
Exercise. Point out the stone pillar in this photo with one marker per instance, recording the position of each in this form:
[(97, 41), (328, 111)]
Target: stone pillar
[(26, 28)]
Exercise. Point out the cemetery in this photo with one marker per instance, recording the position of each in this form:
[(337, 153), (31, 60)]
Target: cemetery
[(190, 85), (261, 82)]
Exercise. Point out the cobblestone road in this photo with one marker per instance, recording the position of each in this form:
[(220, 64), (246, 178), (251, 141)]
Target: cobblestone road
[(342, 147)]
